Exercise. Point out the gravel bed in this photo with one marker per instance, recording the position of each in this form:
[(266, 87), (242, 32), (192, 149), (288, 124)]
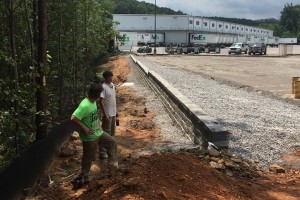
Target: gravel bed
[(263, 128), (173, 139)]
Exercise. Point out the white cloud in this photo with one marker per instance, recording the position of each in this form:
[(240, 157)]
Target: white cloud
[(255, 9)]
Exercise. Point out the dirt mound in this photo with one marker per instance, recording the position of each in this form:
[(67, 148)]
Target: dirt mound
[(171, 176)]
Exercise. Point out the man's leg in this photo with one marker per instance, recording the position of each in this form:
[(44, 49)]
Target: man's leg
[(89, 152), (105, 128), (110, 145), (105, 125), (112, 125), (109, 126)]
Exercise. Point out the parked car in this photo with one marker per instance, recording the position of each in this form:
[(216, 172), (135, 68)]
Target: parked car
[(273, 45), (144, 49), (183, 48), (171, 48), (238, 48), (201, 48), (212, 48), (255, 48)]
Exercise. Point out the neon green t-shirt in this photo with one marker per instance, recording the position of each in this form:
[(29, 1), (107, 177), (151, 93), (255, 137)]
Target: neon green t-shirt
[(87, 114)]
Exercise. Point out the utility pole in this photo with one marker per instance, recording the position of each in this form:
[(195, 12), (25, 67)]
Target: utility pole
[(155, 29)]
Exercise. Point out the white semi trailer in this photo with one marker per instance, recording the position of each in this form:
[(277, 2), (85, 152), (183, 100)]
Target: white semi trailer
[(222, 39), (126, 40), (287, 40)]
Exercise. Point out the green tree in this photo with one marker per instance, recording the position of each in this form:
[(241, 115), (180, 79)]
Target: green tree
[(40, 117), (65, 51), (136, 7), (290, 20)]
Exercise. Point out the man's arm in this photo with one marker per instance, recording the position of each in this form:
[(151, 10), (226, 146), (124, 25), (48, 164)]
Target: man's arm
[(81, 125), (102, 107)]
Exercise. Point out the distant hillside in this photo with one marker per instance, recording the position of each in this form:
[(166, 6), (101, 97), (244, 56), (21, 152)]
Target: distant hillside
[(263, 23), (136, 7), (270, 20), (247, 22)]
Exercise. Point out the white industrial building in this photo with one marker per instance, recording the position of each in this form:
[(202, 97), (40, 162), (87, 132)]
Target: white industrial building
[(140, 29)]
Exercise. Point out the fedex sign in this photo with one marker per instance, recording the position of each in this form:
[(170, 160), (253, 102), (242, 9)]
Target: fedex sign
[(197, 38), (125, 38), (153, 37)]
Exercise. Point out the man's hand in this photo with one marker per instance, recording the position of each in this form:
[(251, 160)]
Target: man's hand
[(87, 130)]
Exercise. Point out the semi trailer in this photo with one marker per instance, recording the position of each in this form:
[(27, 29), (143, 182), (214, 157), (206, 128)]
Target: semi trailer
[(206, 42), (127, 40)]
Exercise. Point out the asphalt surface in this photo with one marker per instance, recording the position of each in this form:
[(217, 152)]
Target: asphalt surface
[(270, 73)]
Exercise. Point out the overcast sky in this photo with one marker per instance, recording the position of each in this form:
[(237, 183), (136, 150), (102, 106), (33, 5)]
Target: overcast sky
[(248, 9)]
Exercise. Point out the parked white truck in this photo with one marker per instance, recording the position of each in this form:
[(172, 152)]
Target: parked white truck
[(238, 48)]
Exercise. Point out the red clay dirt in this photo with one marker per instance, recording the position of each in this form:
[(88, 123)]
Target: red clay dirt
[(179, 176)]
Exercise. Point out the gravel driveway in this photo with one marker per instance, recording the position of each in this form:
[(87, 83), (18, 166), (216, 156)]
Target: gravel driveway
[(264, 125)]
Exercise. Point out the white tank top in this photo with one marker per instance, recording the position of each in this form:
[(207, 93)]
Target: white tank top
[(109, 96)]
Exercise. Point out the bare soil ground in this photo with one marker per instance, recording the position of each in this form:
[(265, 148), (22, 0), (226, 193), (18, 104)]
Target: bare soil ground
[(183, 175)]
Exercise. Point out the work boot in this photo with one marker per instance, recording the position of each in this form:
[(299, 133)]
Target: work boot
[(122, 169), (103, 156), (80, 181), (112, 167), (103, 166)]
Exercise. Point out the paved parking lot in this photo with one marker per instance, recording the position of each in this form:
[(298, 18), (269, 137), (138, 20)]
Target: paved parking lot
[(269, 73), (291, 49)]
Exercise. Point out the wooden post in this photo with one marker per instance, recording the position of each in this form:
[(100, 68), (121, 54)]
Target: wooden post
[(293, 83), (297, 89)]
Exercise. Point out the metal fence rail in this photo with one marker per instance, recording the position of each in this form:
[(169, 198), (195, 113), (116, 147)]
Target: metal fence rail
[(25, 170)]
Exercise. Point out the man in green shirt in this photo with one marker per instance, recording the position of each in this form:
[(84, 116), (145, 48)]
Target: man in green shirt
[(92, 136)]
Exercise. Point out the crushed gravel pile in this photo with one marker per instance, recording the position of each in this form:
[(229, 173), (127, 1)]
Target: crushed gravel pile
[(263, 128), (173, 139)]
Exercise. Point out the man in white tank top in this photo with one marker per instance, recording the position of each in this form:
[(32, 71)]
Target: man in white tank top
[(108, 106)]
